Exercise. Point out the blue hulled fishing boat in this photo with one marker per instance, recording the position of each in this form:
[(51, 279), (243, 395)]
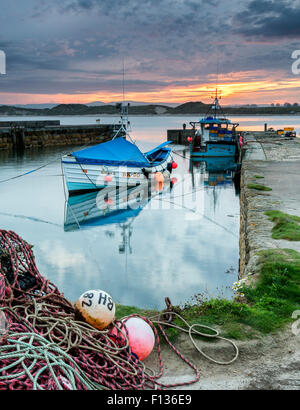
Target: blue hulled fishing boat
[(215, 135)]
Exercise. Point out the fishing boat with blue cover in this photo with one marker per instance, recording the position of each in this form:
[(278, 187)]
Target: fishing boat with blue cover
[(215, 135), (115, 163)]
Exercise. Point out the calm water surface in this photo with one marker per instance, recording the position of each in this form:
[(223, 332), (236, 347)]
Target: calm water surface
[(180, 242)]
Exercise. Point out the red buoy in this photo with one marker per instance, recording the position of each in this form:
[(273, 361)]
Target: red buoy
[(108, 178), (141, 338), (174, 165)]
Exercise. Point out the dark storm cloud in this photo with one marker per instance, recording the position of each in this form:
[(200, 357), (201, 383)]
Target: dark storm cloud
[(156, 17), (141, 9), (77, 46), (76, 84), (258, 57), (54, 39), (270, 19)]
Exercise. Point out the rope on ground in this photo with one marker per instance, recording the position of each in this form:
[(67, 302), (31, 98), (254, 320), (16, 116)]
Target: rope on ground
[(190, 329), (29, 360)]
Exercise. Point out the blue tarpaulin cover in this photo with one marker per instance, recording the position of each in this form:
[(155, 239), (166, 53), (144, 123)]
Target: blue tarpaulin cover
[(115, 152), (164, 144)]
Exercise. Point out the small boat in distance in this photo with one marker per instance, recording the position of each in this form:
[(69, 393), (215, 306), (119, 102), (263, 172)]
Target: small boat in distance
[(215, 136), (115, 162)]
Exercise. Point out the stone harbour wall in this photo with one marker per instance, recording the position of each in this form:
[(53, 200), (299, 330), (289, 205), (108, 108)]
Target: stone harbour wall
[(6, 141), (273, 162), (23, 138)]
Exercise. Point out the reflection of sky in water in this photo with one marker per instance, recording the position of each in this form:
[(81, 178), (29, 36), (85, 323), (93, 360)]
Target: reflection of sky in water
[(181, 245)]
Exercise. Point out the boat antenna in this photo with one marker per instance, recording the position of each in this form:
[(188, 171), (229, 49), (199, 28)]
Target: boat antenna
[(123, 81), (124, 126), (217, 97), (216, 105), (216, 100)]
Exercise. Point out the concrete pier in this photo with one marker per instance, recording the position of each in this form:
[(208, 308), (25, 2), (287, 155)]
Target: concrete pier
[(23, 135), (273, 162)]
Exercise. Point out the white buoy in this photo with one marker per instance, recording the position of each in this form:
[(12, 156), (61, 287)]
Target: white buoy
[(97, 308)]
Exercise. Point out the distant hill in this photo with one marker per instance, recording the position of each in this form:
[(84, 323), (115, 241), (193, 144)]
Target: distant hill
[(12, 110), (82, 109), (39, 106), (189, 108), (134, 103), (91, 104)]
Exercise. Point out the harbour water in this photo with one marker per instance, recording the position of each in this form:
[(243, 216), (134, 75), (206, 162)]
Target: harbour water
[(181, 242)]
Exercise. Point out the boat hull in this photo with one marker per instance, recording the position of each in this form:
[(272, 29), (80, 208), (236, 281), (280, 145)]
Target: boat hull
[(214, 150), (89, 177)]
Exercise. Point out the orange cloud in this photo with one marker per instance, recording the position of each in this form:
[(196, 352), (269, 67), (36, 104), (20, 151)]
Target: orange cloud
[(235, 89)]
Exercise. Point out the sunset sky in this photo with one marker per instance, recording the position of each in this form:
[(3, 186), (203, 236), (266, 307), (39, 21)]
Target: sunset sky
[(72, 51)]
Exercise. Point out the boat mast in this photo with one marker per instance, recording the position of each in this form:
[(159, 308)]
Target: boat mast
[(216, 102), (124, 128), (124, 107)]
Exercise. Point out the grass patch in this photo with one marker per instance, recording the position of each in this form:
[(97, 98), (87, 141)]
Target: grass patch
[(122, 311), (286, 226), (259, 187), (270, 303), (258, 176), (269, 306)]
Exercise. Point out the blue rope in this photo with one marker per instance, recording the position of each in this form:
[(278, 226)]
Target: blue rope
[(29, 172)]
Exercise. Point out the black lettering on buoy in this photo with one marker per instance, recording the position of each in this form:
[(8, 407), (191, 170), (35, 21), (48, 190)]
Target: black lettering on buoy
[(102, 297), (110, 305), (88, 295), (89, 303)]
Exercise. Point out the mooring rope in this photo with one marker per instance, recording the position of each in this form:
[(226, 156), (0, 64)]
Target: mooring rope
[(28, 172), (42, 166)]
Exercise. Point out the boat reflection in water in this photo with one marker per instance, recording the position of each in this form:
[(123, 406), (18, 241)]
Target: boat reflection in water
[(118, 205), (216, 172)]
